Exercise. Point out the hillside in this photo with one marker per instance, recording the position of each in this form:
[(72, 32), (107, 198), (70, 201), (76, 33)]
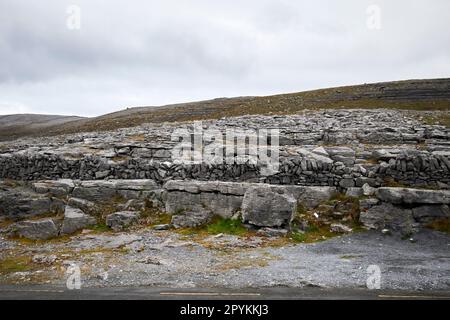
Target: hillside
[(431, 94)]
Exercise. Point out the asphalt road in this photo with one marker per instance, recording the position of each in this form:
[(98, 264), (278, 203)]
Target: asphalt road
[(12, 292)]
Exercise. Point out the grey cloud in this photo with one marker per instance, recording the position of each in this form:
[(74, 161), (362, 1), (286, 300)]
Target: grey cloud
[(158, 52)]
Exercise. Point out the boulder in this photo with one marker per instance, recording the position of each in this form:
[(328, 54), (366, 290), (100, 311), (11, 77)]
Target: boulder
[(75, 219), (429, 213), (309, 197), (413, 196), (224, 205), (389, 216), (42, 229), (191, 219), (23, 204), (120, 220), (266, 208)]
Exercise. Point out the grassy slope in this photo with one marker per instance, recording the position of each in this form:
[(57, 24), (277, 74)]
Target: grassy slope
[(411, 95)]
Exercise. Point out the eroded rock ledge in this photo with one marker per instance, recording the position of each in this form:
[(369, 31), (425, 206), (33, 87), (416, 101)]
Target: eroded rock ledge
[(192, 203)]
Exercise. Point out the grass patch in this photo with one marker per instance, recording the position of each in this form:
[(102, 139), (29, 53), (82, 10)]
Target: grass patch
[(442, 225), (315, 229), (217, 226), (100, 227), (442, 119), (391, 183), (15, 264), (226, 226)]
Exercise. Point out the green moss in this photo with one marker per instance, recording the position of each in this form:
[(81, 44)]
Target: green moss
[(299, 237), (226, 226), (100, 227), (161, 218)]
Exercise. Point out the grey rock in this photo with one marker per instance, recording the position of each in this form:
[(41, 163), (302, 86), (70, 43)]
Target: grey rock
[(84, 205), (54, 187), (161, 227), (191, 219), (382, 154), (42, 229), (102, 174), (347, 183), (75, 220), (429, 213), (368, 203), (104, 190), (266, 208), (354, 192), (389, 216), (120, 220), (368, 190), (133, 205), (340, 228), (413, 196), (24, 204), (272, 232)]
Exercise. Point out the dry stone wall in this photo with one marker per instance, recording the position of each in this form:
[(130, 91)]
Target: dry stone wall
[(345, 148)]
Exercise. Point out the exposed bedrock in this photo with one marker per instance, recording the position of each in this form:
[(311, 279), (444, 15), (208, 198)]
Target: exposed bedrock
[(266, 207), (194, 203), (393, 162), (75, 219), (225, 198), (338, 148)]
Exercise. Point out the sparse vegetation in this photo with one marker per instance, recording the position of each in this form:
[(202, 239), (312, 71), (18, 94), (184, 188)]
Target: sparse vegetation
[(390, 182), (442, 225), (100, 227), (313, 234), (226, 226), (437, 119), (15, 264)]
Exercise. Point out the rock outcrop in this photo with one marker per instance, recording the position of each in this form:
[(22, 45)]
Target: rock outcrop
[(42, 229), (359, 153), (75, 219), (121, 220), (264, 207)]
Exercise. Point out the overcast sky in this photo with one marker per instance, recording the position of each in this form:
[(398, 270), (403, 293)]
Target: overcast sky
[(146, 53)]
